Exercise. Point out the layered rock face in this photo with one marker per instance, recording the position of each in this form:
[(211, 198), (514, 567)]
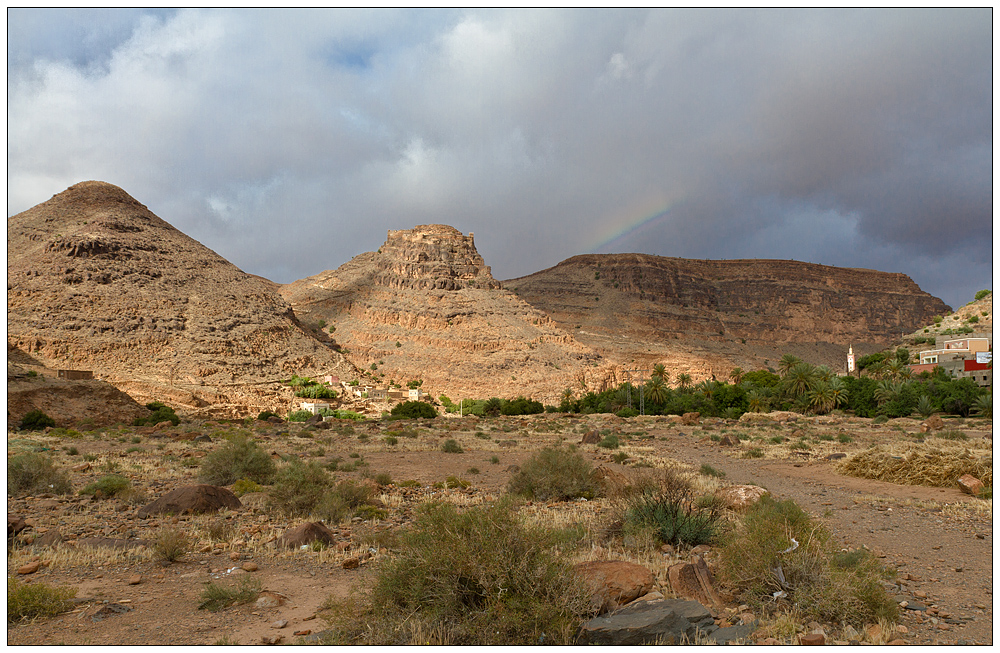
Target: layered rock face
[(639, 304), (425, 306), (96, 281)]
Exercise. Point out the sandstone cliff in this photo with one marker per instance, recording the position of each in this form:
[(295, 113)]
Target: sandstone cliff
[(708, 316), (425, 306), (97, 281)]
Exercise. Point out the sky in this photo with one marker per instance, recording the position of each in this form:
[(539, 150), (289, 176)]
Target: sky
[(289, 141)]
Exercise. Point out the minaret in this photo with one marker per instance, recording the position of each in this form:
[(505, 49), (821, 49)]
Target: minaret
[(850, 359)]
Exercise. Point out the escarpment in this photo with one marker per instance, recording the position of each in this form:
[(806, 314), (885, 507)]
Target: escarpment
[(97, 281)]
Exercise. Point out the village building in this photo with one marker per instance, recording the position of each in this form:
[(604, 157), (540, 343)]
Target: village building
[(967, 357), (315, 407), (75, 375)]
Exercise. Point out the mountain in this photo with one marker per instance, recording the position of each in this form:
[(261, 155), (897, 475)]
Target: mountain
[(96, 281), (425, 306), (706, 317)]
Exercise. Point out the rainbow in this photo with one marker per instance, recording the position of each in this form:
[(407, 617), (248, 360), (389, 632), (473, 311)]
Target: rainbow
[(626, 224)]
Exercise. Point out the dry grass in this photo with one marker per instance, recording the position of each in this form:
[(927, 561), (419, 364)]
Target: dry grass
[(934, 465)]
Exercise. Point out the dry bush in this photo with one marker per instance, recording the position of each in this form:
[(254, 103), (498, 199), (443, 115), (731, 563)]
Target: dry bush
[(554, 474), (172, 545), (31, 600), (937, 465), (34, 473), (215, 597)]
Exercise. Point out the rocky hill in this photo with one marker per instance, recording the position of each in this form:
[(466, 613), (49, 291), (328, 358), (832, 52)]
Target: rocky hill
[(705, 317), (96, 281), (425, 306)]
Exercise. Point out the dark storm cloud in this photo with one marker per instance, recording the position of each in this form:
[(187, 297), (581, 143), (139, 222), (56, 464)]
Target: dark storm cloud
[(289, 141)]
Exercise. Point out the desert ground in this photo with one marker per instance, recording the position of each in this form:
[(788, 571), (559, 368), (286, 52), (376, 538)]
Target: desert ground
[(939, 540)]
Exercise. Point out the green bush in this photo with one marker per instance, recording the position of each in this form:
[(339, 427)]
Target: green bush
[(265, 415), (298, 487), (36, 420), (32, 600), (215, 596), (299, 415), (413, 410), (824, 584), (343, 501), (33, 473), (161, 413), (480, 577), (672, 516), (245, 486), (609, 442), (108, 486), (239, 458), (708, 470), (316, 392), (983, 293), (451, 446), (554, 474)]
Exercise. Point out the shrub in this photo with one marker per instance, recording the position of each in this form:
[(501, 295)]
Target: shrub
[(108, 486), (451, 446), (171, 545), (609, 442), (161, 413), (33, 473), (245, 486), (36, 420), (951, 435), (413, 410), (494, 460), (983, 293), (756, 561), (554, 474), (265, 415), (316, 392), (239, 458), (454, 482), (755, 452), (32, 600), (672, 516), (343, 501), (620, 457), (215, 596), (472, 470), (298, 487), (299, 415), (391, 440), (480, 577), (843, 438), (708, 470)]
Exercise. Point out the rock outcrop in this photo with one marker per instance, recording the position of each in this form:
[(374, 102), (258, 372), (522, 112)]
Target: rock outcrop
[(706, 317), (425, 306), (96, 281)]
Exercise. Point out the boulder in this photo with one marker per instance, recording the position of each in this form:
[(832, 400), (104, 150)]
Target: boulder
[(613, 583), (732, 440), (306, 534), (591, 437), (192, 499), (670, 621), (812, 639), (970, 484), (932, 423), (50, 538), (693, 580), (15, 524), (690, 419), (740, 497)]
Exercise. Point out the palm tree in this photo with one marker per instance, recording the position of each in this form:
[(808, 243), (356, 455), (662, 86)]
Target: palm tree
[(984, 404), (824, 373), (800, 379), (839, 391), (684, 380), (656, 390), (820, 397), (887, 390), (660, 372), (898, 370), (707, 388), (925, 406), (757, 401), (788, 361), (736, 375)]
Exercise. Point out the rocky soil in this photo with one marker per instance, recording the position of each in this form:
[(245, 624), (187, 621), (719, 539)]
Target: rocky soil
[(938, 539), (96, 281)]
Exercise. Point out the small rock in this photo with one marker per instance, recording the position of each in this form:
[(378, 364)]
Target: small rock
[(812, 639), (920, 594), (851, 634), (970, 484), (82, 467), (250, 566), (234, 556), (666, 548), (351, 563), (29, 568), (280, 623), (271, 641), (302, 633), (898, 642), (135, 579), (874, 632), (769, 641), (269, 600)]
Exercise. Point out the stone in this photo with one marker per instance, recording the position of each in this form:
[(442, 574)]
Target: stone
[(850, 633), (15, 524), (874, 633), (970, 484), (769, 641), (269, 600), (306, 533), (731, 633), (49, 538), (109, 610), (234, 556), (591, 437), (730, 440), (271, 641), (302, 633), (351, 563), (812, 639), (135, 579), (898, 642), (693, 580), (82, 467), (203, 437), (191, 499), (612, 583), (249, 566), (652, 596), (671, 622), (690, 419), (740, 497), (836, 456), (29, 568), (280, 623), (668, 549)]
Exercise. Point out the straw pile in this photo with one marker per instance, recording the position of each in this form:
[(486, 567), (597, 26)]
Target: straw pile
[(921, 464)]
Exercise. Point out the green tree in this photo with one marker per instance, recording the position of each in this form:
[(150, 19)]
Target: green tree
[(887, 390), (799, 380), (660, 372), (758, 401), (736, 375), (983, 293), (684, 381), (656, 390), (788, 361)]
